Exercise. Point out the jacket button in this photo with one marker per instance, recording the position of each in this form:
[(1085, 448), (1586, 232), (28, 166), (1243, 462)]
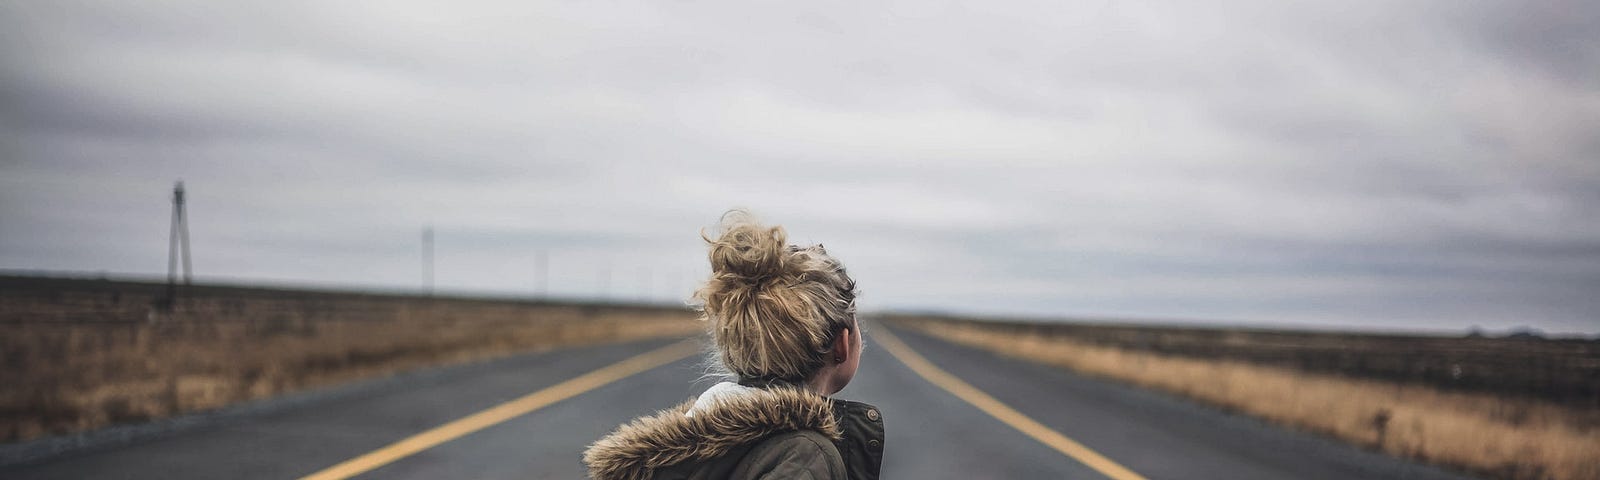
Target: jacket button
[(874, 443), (872, 414)]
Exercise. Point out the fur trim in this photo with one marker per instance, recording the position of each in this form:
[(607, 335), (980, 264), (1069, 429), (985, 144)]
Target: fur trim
[(669, 438)]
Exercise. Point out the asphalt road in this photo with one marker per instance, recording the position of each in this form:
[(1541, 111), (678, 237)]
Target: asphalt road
[(932, 433)]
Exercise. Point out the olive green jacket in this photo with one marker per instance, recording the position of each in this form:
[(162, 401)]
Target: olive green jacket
[(778, 432)]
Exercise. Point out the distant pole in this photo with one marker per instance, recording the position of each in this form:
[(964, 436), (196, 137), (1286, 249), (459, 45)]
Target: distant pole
[(183, 222), (542, 270), (172, 237), (177, 246), (427, 259), (178, 240), (605, 282)]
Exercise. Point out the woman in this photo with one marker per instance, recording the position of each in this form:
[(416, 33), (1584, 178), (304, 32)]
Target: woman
[(782, 322)]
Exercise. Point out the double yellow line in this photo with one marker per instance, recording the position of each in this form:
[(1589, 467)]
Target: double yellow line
[(505, 411), (1000, 411)]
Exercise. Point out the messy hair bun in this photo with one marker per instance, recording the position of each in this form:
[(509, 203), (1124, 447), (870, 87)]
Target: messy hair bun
[(773, 309)]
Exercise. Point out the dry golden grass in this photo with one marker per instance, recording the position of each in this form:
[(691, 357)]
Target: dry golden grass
[(62, 376), (1484, 434)]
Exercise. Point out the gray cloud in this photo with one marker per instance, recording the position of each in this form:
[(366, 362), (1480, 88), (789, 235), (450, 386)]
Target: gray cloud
[(1430, 165)]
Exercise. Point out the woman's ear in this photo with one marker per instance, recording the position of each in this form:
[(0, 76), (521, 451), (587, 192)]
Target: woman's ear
[(841, 346)]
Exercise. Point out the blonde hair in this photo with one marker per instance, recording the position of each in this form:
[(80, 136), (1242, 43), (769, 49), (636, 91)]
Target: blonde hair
[(773, 309)]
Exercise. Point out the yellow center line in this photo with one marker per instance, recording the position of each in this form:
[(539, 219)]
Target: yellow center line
[(506, 411), (1000, 411)]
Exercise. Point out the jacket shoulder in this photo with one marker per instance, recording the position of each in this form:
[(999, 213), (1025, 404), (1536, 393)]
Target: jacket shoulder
[(711, 439), (799, 454)]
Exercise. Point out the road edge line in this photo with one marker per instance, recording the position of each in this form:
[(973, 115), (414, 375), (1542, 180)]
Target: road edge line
[(505, 411), (999, 410)]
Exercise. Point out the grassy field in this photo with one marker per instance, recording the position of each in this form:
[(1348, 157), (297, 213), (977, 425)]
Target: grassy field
[(82, 354), (1490, 426)]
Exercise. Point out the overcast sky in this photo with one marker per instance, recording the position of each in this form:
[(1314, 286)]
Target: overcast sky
[(1368, 164)]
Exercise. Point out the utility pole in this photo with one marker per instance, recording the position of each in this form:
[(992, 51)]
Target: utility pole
[(427, 259), (178, 241), (178, 246)]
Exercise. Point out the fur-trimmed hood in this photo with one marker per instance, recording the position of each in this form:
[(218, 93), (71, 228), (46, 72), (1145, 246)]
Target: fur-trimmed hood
[(670, 437)]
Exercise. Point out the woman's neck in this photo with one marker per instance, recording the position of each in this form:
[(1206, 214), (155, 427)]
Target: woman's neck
[(823, 382)]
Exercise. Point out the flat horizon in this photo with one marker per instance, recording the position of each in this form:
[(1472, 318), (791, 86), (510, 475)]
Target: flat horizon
[(1065, 317)]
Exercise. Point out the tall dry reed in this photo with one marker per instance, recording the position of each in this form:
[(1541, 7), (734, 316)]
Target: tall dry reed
[(66, 376)]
